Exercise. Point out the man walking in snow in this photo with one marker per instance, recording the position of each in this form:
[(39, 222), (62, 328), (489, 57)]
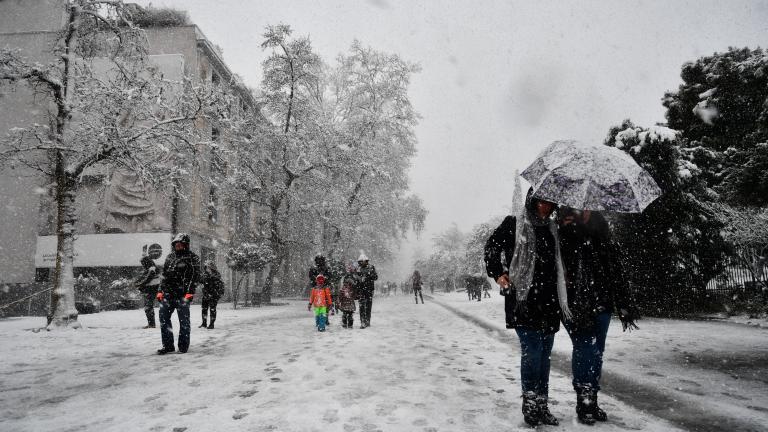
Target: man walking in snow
[(366, 275), (147, 284), (181, 273)]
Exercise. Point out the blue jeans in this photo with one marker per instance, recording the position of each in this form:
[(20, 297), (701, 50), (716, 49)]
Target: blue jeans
[(535, 347), (166, 328), (587, 357)]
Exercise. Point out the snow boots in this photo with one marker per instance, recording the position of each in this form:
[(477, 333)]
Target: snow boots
[(210, 326), (545, 416), (204, 324), (599, 414), (585, 406), (531, 409)]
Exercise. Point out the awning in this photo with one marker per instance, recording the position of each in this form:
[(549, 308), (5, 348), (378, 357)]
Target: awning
[(105, 250)]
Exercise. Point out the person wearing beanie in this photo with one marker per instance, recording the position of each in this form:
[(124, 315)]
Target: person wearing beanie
[(365, 277), (181, 273)]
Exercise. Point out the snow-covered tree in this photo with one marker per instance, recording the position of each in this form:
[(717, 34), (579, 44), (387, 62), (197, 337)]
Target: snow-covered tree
[(107, 108), (674, 248), (721, 110)]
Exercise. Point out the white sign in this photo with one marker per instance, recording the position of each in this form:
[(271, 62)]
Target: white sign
[(105, 250)]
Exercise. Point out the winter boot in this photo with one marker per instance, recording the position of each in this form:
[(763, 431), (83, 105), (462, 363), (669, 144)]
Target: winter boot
[(164, 350), (204, 324), (531, 413), (599, 414), (546, 417), (210, 327), (585, 407)]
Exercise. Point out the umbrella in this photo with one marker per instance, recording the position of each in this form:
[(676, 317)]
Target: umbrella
[(591, 177)]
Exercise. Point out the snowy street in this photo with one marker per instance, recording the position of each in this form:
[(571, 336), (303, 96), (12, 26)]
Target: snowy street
[(418, 368)]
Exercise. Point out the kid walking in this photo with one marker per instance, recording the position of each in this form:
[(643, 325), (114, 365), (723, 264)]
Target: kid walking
[(347, 302), (320, 299)]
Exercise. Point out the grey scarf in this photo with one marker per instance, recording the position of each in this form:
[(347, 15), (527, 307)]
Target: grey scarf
[(521, 267)]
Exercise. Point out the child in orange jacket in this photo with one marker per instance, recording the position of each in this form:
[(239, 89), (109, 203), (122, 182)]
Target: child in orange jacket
[(320, 299)]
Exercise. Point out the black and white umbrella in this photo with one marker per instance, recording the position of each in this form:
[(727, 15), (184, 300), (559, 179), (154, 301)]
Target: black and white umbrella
[(591, 177)]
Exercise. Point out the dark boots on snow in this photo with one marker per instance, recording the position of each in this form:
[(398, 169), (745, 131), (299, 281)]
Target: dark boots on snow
[(531, 413), (598, 413), (545, 416), (585, 407), (210, 327), (204, 324)]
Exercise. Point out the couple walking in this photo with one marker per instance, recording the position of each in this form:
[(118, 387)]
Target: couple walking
[(558, 268)]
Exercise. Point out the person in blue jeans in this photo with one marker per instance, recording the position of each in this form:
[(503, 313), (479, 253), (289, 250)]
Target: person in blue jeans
[(181, 274), (596, 288), (532, 280)]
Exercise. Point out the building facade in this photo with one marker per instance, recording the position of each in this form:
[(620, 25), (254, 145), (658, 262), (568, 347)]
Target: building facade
[(118, 216)]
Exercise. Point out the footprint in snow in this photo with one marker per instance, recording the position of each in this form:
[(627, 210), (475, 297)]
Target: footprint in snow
[(239, 414)]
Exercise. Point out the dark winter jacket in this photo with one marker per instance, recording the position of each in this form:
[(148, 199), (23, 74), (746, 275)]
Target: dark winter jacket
[(213, 286), (149, 280), (365, 276), (347, 295), (181, 274), (416, 281), (594, 274), (541, 310)]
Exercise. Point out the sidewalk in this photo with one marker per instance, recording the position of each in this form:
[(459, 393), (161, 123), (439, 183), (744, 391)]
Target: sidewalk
[(703, 376)]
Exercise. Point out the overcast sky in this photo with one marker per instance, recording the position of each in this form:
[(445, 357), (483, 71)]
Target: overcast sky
[(500, 79)]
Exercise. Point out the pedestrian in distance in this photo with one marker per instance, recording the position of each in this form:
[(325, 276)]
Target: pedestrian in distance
[(486, 288), (417, 285), (181, 274), (320, 300), (346, 302), (147, 284), (321, 268), (213, 289), (365, 278), (532, 280), (596, 288)]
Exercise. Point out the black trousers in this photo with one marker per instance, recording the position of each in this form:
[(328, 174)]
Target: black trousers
[(149, 307), (347, 318), (209, 303), (417, 294), (366, 302)]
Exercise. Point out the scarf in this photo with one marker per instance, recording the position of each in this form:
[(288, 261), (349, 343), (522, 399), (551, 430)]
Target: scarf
[(521, 267)]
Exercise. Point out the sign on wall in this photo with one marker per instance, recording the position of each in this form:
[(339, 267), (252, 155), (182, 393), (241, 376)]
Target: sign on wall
[(107, 250)]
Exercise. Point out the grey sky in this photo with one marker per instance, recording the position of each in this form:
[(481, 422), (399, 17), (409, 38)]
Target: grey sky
[(500, 79)]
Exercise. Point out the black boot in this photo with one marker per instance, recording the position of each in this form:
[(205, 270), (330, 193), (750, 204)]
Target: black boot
[(585, 407), (531, 413), (204, 325), (546, 417), (163, 351), (210, 327), (599, 414)]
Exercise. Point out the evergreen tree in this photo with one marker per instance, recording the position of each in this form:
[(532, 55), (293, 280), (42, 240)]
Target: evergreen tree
[(721, 111)]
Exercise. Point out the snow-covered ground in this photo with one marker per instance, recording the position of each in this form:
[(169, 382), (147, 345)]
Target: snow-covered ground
[(709, 371), (418, 368)]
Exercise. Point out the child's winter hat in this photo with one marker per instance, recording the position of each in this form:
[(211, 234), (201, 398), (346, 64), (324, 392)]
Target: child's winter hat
[(320, 280)]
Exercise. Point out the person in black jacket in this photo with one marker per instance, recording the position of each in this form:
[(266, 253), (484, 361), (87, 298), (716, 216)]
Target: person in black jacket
[(181, 273), (417, 285), (365, 277), (596, 288), (213, 289), (147, 284), (529, 283)]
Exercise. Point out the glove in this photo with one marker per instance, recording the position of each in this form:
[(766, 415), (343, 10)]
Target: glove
[(309, 307), (188, 297), (160, 296), (627, 320)]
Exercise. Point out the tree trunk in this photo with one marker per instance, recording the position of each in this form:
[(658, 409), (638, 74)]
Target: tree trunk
[(274, 268), (62, 309)]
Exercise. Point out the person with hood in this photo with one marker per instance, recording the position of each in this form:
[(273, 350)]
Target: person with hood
[(213, 289), (532, 279), (320, 300), (346, 300), (417, 285), (365, 277), (321, 268), (596, 288), (147, 284), (181, 273)]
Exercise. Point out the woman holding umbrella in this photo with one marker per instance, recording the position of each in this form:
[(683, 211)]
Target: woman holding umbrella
[(594, 178), (534, 289), (596, 287)]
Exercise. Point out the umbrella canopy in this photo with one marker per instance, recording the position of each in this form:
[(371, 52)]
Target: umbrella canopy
[(591, 177)]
